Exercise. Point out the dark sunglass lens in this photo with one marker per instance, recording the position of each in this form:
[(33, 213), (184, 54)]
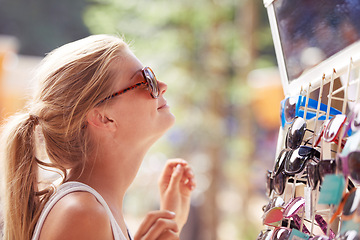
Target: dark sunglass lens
[(313, 175), (354, 166), (296, 133), (308, 152), (290, 109), (326, 167), (279, 183), (269, 183), (279, 163), (281, 234), (352, 202)]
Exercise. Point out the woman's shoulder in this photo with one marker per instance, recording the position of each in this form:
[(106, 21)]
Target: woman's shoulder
[(77, 215)]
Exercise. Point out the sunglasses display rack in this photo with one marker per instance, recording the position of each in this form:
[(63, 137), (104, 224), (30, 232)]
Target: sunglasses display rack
[(317, 165), (313, 188)]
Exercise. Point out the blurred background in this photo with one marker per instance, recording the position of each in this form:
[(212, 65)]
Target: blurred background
[(218, 59)]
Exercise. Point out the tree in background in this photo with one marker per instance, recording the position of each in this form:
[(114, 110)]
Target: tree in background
[(204, 51)]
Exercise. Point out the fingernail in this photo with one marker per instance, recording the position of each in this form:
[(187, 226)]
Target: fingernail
[(172, 213), (178, 168)]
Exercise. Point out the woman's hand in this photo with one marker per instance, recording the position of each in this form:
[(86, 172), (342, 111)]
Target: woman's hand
[(158, 225), (176, 184)]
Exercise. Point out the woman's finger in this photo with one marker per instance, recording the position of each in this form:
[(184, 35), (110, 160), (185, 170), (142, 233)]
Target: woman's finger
[(168, 170), (176, 177), (160, 226), (151, 219)]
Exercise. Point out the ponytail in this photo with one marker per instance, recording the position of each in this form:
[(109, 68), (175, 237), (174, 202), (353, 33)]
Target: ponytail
[(20, 177)]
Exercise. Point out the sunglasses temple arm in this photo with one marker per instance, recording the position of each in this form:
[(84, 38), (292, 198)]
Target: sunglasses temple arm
[(297, 221), (323, 225), (350, 184)]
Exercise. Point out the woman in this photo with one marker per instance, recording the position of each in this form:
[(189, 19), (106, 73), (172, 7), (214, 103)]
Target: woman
[(99, 110)]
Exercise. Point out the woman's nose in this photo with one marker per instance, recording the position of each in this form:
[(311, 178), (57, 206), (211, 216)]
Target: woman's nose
[(162, 87)]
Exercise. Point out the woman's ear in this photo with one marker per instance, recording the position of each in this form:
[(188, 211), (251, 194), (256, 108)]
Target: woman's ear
[(99, 119)]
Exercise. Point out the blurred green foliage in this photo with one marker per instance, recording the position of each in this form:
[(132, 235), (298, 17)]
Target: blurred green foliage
[(203, 50)]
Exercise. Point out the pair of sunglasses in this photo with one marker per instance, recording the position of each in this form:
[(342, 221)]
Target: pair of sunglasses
[(349, 158), (274, 202), (291, 108), (296, 160), (274, 216), (296, 133), (276, 179), (149, 79), (348, 205), (275, 183), (287, 164), (278, 182), (330, 129), (279, 233), (317, 170)]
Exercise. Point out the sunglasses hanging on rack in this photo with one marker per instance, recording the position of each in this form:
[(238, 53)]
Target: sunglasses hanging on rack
[(349, 158)]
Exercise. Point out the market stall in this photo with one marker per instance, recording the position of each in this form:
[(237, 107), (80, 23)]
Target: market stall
[(313, 186)]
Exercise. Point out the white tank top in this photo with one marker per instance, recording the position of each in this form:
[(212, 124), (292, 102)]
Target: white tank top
[(70, 187)]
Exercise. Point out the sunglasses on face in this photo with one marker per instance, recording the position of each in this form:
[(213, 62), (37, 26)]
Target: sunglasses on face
[(149, 80), (296, 133), (330, 129), (317, 170), (291, 108)]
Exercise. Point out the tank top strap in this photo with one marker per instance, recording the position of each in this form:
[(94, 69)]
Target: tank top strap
[(70, 187)]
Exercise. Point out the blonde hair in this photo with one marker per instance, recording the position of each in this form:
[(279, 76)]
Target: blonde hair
[(72, 80)]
